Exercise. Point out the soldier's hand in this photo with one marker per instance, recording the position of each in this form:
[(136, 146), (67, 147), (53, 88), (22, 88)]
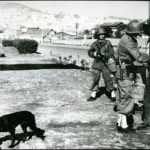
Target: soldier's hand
[(98, 57), (145, 65), (95, 54)]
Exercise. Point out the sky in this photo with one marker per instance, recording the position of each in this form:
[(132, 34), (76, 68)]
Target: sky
[(126, 9)]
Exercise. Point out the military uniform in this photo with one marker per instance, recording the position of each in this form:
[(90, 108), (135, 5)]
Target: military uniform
[(146, 111), (128, 52), (104, 51)]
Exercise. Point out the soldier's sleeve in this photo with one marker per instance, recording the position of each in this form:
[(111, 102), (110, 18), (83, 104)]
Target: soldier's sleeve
[(91, 51), (134, 51)]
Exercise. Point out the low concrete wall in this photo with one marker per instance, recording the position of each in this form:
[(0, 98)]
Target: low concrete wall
[(4, 67), (80, 42), (142, 42)]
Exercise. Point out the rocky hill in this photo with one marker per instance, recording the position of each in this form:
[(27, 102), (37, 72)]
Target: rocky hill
[(13, 15)]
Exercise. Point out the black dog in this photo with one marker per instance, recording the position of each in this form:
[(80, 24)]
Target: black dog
[(9, 122)]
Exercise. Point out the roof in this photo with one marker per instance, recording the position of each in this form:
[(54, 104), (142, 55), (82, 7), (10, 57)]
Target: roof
[(46, 31), (30, 35), (108, 24), (34, 31), (60, 33)]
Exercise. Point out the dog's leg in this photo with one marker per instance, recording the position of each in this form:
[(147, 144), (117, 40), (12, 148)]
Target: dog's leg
[(24, 128), (12, 132)]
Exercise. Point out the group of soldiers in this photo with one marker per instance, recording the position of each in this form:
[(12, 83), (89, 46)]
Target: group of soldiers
[(120, 68)]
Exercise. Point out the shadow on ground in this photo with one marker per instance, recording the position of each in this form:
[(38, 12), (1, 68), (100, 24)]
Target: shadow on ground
[(20, 137)]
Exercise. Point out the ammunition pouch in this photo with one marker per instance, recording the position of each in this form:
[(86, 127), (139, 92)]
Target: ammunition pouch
[(111, 64), (127, 70)]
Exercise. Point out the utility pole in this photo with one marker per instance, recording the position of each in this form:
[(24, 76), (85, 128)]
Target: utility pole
[(149, 9), (76, 29)]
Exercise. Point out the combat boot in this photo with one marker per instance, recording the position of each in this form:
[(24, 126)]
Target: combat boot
[(125, 130), (143, 126), (95, 94), (91, 98), (130, 121), (125, 124)]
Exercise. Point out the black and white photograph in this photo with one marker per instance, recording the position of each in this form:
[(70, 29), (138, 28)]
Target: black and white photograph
[(74, 74)]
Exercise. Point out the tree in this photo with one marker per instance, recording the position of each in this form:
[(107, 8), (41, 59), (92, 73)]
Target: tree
[(86, 32), (108, 31), (77, 25), (120, 28), (59, 17), (76, 16)]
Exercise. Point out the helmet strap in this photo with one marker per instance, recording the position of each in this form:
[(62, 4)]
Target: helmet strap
[(133, 36)]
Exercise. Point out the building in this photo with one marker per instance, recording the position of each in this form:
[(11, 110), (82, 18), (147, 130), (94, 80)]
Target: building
[(65, 36), (114, 19), (48, 35), (115, 27), (34, 33)]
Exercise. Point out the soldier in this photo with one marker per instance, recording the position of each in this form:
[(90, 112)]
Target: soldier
[(146, 112), (128, 52), (101, 50)]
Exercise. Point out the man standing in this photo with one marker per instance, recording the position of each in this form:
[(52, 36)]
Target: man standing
[(128, 52), (146, 112), (101, 50)]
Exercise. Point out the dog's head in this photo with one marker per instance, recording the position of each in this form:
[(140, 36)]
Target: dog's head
[(40, 133)]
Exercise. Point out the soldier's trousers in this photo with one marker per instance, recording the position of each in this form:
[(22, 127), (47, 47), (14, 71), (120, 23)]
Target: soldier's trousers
[(107, 80), (146, 113), (125, 103), (127, 97)]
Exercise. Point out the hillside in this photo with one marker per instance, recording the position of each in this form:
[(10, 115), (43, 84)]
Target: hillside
[(13, 15)]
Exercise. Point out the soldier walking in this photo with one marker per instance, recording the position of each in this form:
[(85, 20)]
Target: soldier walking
[(101, 51), (128, 52)]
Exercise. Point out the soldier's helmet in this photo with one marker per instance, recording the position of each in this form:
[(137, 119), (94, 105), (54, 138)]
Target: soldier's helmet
[(101, 30), (135, 27)]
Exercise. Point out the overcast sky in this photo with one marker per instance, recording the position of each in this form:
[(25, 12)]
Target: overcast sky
[(127, 9)]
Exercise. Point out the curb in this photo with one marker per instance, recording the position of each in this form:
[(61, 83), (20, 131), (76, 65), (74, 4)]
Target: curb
[(37, 66)]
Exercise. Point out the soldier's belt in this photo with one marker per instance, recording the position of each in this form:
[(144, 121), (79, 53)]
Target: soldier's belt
[(125, 65)]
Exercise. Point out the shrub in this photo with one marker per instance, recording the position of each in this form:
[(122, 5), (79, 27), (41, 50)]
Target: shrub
[(7, 42), (25, 45)]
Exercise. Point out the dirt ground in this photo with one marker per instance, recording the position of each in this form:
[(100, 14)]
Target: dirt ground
[(57, 97)]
